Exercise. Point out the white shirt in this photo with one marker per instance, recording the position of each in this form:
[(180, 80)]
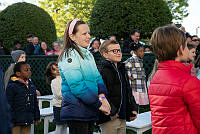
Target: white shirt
[(56, 90)]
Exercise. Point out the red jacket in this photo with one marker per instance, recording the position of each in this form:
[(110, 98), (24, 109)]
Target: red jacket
[(174, 100)]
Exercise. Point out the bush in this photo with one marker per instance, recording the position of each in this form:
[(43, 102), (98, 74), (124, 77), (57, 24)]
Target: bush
[(20, 19), (119, 17)]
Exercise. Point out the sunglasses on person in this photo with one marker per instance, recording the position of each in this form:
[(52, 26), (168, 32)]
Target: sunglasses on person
[(115, 51), (195, 40)]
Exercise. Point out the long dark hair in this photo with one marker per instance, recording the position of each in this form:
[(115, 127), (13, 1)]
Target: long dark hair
[(68, 43), (49, 75)]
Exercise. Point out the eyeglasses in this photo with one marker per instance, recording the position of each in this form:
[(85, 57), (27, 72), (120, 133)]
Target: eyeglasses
[(115, 51), (195, 40)]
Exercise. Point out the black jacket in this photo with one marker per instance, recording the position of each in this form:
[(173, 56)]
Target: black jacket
[(4, 51), (126, 46), (113, 84), (23, 102), (29, 49), (5, 117)]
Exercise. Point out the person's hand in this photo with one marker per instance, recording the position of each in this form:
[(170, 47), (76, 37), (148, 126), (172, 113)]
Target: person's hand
[(37, 122), (114, 117), (133, 118), (104, 109), (106, 103)]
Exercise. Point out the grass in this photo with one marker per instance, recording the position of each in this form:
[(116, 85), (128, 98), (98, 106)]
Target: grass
[(39, 129)]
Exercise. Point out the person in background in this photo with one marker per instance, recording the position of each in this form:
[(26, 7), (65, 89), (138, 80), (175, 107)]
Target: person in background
[(43, 48), (29, 48), (94, 49), (112, 37), (5, 117), (53, 77), (135, 70), (134, 38), (30, 38), (195, 40), (123, 105), (17, 45), (94, 46), (174, 94), (22, 98), (147, 49), (191, 58), (17, 56), (83, 90), (56, 49), (3, 49), (188, 38), (36, 45)]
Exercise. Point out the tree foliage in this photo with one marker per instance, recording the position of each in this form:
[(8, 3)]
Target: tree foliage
[(118, 17), (62, 11), (20, 19), (178, 9)]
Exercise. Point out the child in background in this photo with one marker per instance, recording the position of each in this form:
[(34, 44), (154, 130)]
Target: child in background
[(17, 56), (53, 77), (123, 105), (21, 95), (135, 70), (191, 57)]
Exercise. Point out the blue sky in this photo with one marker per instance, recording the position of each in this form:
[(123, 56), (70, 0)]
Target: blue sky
[(191, 23)]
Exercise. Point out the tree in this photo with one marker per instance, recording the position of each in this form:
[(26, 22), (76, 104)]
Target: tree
[(118, 17), (178, 9), (21, 19), (62, 11)]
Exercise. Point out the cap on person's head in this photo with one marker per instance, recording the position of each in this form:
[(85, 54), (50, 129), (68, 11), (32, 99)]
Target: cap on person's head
[(16, 54)]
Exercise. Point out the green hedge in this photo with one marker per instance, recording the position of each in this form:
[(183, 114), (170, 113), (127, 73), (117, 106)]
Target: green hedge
[(119, 17), (21, 19)]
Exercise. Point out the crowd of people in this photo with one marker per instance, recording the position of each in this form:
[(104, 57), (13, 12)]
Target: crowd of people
[(33, 47), (84, 95)]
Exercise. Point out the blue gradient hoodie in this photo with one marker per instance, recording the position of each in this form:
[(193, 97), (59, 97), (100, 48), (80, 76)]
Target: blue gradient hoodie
[(81, 84)]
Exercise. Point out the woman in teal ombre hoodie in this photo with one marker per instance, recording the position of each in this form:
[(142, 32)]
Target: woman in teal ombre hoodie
[(83, 90)]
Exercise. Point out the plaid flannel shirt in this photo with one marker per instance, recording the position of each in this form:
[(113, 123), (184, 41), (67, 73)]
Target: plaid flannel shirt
[(134, 68)]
